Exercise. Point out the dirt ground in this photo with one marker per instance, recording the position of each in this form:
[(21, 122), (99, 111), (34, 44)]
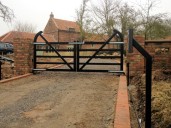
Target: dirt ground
[(59, 100)]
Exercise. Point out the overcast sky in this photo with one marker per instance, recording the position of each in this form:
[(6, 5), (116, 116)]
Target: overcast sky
[(37, 12)]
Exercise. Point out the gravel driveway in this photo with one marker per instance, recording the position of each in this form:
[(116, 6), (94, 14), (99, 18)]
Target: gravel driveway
[(59, 100)]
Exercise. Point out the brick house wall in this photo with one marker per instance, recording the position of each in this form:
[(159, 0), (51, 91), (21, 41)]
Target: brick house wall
[(61, 29), (67, 36)]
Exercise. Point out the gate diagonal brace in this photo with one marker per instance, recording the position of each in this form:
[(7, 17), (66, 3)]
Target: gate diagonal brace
[(40, 34), (115, 32)]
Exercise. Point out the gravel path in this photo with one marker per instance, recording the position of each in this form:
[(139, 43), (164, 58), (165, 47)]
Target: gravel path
[(59, 100)]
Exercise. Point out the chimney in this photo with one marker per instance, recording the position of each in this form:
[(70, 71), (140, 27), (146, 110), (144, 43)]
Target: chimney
[(51, 15)]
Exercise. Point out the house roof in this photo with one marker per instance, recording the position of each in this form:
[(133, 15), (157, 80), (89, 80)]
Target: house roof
[(9, 37), (65, 24)]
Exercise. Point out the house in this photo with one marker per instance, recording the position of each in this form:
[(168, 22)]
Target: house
[(62, 30)]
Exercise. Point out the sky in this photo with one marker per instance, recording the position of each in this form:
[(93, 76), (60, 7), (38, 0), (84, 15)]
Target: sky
[(37, 12)]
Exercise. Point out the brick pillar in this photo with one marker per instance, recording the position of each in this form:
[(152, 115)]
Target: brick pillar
[(23, 54), (135, 59)]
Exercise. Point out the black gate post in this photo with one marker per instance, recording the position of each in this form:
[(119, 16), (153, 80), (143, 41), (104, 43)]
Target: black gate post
[(122, 55), (127, 65), (34, 57), (77, 56), (0, 70), (133, 43)]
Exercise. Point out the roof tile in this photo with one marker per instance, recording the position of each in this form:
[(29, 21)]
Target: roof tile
[(65, 24), (9, 37)]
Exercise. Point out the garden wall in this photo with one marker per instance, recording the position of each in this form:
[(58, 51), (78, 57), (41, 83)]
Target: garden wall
[(160, 50), (23, 54)]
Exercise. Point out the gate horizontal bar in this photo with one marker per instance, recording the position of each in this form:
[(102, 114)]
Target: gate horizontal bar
[(53, 69), (39, 69), (68, 50), (71, 43), (107, 57), (115, 50), (91, 70), (43, 43), (36, 43), (85, 43), (116, 42), (52, 63), (54, 56), (102, 63), (76, 43), (115, 71)]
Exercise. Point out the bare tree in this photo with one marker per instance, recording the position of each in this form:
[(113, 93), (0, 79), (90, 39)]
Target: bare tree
[(24, 27), (83, 19), (104, 15), (6, 13), (127, 18), (147, 18)]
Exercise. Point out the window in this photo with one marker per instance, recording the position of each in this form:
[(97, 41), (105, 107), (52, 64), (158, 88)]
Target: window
[(72, 29)]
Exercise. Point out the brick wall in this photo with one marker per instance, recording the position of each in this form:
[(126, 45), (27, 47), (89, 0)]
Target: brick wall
[(23, 55), (161, 53), (66, 36), (159, 50), (135, 59)]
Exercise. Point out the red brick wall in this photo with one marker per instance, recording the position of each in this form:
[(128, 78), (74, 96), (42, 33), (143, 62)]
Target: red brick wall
[(135, 59), (66, 36), (161, 53), (159, 50), (23, 55)]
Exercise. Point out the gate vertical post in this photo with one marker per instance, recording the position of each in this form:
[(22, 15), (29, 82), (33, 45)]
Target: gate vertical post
[(0, 70), (78, 57), (75, 57), (122, 56), (34, 57)]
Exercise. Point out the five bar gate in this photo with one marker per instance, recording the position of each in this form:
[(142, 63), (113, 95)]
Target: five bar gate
[(78, 56)]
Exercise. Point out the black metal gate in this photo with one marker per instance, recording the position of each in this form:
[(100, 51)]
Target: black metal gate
[(79, 56)]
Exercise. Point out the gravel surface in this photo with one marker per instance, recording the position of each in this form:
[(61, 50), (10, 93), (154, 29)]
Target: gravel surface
[(59, 100)]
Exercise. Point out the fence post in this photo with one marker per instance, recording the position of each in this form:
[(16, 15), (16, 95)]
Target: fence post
[(77, 56), (122, 56), (134, 43), (0, 70), (127, 65)]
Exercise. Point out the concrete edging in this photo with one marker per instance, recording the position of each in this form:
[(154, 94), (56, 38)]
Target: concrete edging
[(122, 113)]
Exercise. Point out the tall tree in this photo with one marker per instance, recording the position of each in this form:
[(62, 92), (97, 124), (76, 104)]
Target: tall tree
[(24, 27), (160, 28), (83, 19), (127, 18), (104, 15), (147, 17), (6, 13)]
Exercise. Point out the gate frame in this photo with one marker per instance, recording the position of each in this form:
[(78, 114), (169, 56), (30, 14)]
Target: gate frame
[(76, 54)]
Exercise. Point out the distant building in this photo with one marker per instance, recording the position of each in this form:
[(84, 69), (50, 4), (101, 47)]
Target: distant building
[(62, 30)]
